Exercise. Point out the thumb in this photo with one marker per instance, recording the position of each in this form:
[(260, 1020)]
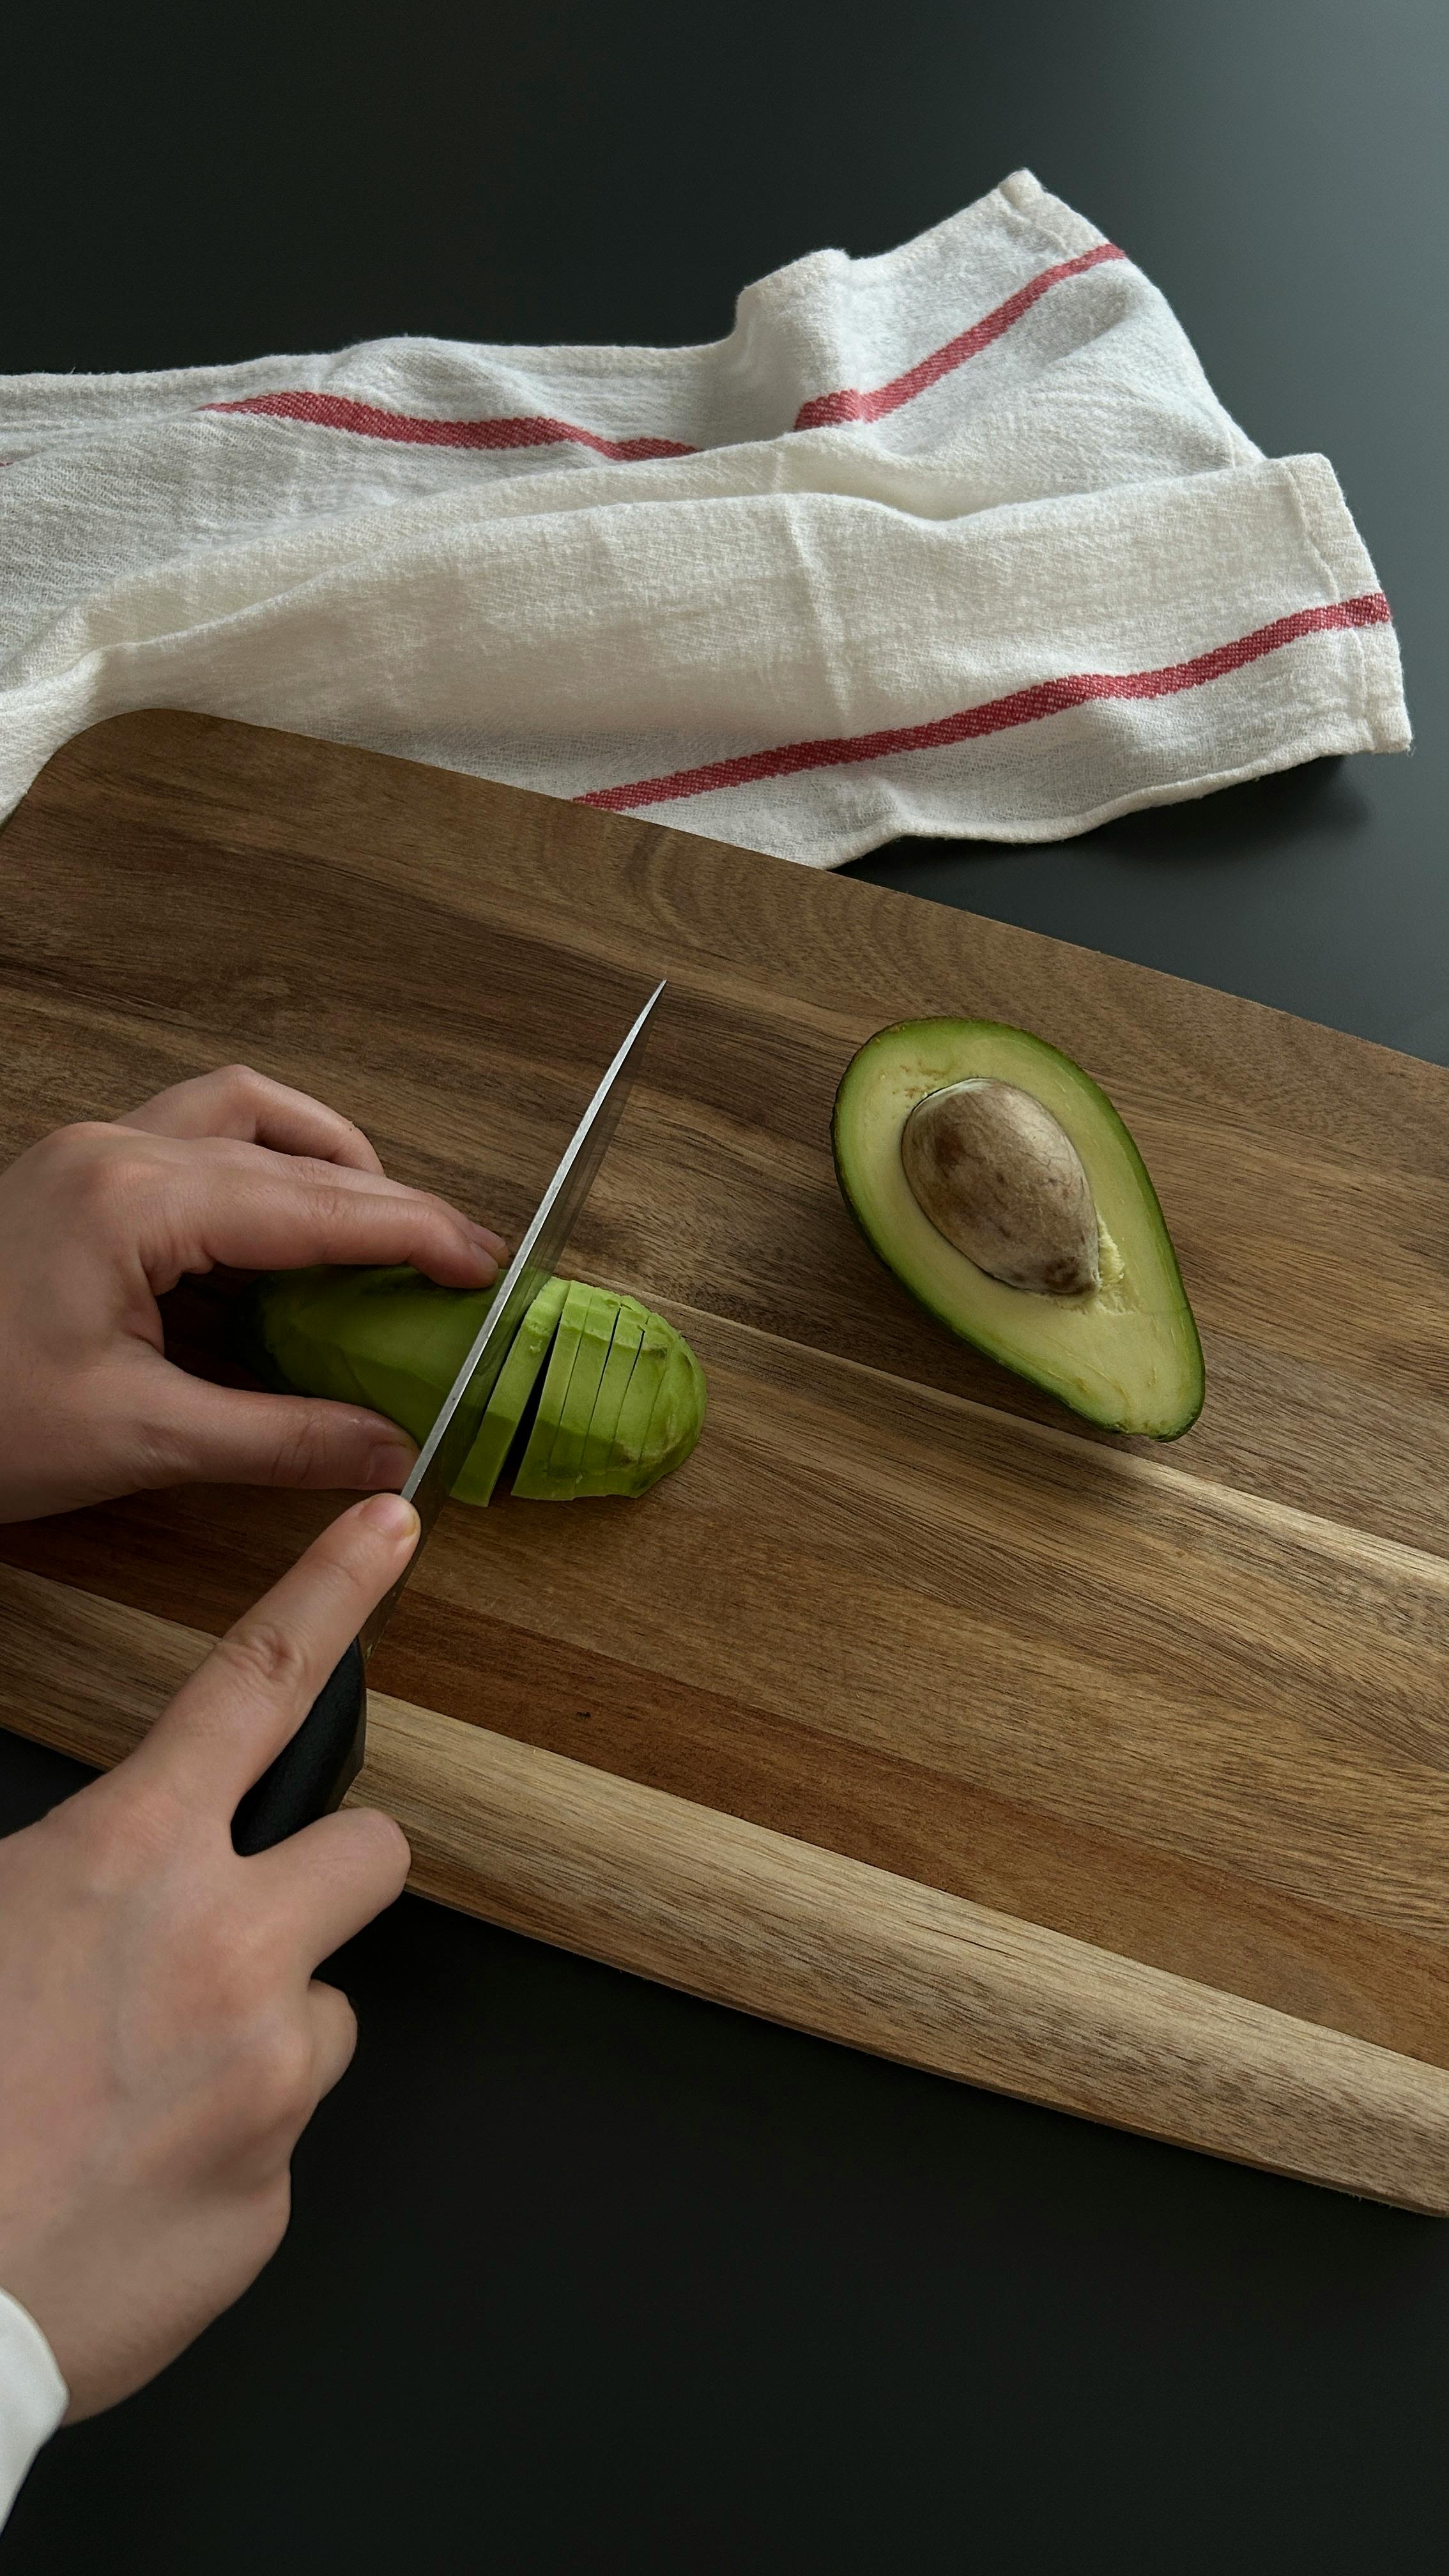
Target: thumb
[(221, 1435)]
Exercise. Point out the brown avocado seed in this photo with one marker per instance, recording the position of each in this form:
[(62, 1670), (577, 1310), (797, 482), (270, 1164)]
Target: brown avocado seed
[(1002, 1180)]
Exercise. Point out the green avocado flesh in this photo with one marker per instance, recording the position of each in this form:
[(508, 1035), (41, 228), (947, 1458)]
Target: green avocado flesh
[(596, 1340), (670, 1434), (618, 1369), (393, 1341), (1125, 1354), (629, 1449), (384, 1338), (516, 1380), (571, 1359)]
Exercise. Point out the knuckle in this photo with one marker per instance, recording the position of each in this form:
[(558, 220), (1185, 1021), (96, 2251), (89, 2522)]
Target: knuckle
[(432, 1223), (283, 2076), (59, 1146), (358, 1140), (340, 1213), (268, 2211), (265, 1658), (303, 1446), (73, 1155), (227, 1968), (320, 1177), (342, 2018), (106, 1172), (273, 2083), (139, 1823), (93, 1830), (327, 1199), (82, 1136), (115, 1834), (162, 1454)]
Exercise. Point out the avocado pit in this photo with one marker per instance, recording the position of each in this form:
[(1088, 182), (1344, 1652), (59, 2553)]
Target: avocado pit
[(1000, 1178)]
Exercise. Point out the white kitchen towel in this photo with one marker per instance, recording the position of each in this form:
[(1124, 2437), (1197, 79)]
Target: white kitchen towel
[(955, 541)]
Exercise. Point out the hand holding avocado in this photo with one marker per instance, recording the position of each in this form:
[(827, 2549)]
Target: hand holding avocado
[(100, 1219), (163, 2034)]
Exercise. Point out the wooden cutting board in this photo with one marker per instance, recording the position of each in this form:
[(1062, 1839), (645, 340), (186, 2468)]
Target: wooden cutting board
[(910, 1712)]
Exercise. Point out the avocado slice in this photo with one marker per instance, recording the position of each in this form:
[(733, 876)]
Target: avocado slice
[(618, 1370), (628, 1447), (508, 1402), (533, 1480), (596, 1335), (676, 1420), (1124, 1353)]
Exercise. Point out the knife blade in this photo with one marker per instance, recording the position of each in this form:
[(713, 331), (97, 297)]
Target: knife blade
[(312, 1773)]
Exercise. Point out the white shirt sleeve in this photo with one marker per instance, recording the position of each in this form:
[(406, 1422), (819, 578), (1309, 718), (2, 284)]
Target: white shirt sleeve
[(33, 2396)]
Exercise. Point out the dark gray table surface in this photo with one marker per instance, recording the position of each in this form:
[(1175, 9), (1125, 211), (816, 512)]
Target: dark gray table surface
[(585, 2276)]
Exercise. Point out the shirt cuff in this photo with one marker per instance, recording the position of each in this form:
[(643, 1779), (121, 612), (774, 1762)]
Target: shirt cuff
[(33, 2396)]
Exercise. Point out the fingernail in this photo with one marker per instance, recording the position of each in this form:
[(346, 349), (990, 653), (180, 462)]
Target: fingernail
[(389, 1516), (389, 1464), (490, 1241)]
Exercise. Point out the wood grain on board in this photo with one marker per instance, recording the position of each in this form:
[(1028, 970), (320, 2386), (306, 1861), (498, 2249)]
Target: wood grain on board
[(1182, 1705), (782, 1927)]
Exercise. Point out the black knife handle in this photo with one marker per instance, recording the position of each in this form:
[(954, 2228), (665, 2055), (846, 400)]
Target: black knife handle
[(313, 1773)]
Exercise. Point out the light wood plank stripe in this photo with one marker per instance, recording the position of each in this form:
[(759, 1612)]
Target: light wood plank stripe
[(751, 1918)]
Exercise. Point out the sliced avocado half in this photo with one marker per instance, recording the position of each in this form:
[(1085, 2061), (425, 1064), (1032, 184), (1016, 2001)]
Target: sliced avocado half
[(1125, 1353), (577, 1393)]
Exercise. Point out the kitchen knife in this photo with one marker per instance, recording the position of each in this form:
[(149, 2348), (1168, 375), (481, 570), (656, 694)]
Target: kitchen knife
[(311, 1775)]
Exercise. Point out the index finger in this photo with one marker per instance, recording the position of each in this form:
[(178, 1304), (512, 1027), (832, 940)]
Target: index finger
[(250, 1210), (237, 1102), (250, 1696)]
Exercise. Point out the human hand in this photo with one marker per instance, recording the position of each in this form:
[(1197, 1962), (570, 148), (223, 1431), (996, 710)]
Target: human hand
[(162, 2037), (97, 1221)]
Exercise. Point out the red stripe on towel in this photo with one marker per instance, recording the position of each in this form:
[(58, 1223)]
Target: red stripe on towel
[(412, 429), (852, 405), (365, 420), (997, 715)]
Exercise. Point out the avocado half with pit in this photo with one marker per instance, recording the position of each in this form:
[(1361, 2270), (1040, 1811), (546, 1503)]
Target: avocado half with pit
[(996, 1180), (579, 1407)]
